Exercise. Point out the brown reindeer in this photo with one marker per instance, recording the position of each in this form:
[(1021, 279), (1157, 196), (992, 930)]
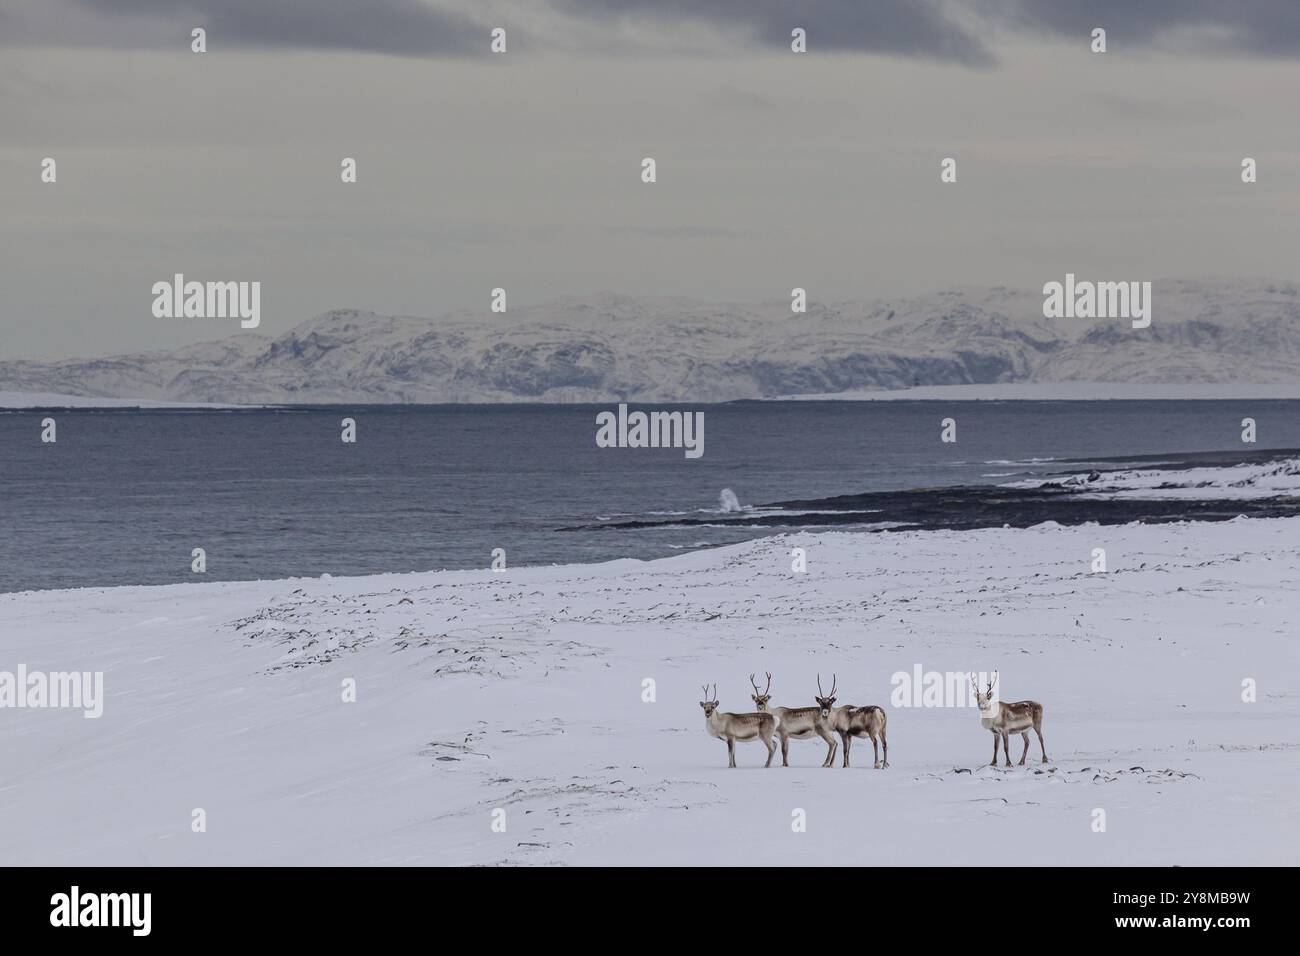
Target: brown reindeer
[(733, 727), (849, 721), (797, 722), (1002, 719)]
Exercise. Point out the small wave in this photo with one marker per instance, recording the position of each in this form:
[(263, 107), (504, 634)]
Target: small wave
[(1022, 461), (769, 529), (812, 511)]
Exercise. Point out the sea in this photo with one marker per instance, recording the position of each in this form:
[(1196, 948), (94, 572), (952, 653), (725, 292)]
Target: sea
[(124, 496)]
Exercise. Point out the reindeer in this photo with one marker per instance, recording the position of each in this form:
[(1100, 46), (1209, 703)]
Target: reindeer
[(849, 721), (1002, 719), (733, 727), (798, 722)]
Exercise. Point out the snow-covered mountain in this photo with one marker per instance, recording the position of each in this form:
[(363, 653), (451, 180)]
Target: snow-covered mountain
[(611, 347)]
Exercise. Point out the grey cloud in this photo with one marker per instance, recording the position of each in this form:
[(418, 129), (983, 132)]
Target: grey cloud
[(908, 27), (946, 30), (953, 30), (1267, 27), (404, 27), (412, 27), (679, 232), (734, 98)]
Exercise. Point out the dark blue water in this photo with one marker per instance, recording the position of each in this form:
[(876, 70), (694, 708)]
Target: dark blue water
[(124, 495)]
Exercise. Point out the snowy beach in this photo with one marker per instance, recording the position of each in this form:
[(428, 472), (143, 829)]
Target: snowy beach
[(524, 691)]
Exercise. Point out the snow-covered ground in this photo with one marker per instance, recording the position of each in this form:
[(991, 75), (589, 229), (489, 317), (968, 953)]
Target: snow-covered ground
[(523, 691), (1269, 479)]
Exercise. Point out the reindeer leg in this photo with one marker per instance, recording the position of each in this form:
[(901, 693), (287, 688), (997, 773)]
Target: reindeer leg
[(994, 762), (875, 752), (1006, 748), (771, 749), (831, 747), (847, 739), (884, 743), (731, 751), (785, 750), (1025, 735), (1038, 730)]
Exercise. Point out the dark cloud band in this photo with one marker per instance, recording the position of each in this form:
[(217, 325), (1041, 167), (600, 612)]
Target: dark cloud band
[(950, 30), (1266, 27), (403, 27), (955, 29), (905, 27)]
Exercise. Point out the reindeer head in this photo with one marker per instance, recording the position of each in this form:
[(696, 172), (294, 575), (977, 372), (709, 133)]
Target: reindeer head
[(984, 701), (760, 699), (824, 700), (710, 702)]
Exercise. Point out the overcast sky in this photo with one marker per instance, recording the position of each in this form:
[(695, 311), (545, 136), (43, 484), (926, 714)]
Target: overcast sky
[(523, 171)]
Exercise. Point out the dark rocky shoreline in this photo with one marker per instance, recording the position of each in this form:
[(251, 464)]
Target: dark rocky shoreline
[(966, 507)]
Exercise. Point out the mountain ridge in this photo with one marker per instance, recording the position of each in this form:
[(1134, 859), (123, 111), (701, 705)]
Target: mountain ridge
[(611, 347)]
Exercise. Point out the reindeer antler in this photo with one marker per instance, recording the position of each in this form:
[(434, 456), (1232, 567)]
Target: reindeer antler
[(755, 686), (835, 682), (991, 683), (820, 692), (705, 688), (715, 692), (769, 681)]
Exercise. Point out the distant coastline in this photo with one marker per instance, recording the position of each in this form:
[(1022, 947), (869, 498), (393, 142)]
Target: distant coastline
[(54, 400), (1000, 392), (1055, 392)]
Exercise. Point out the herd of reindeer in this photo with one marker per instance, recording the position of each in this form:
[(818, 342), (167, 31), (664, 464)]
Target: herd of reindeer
[(849, 721)]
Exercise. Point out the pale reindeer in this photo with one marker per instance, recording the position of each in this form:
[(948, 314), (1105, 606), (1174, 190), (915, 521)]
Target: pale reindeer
[(1002, 719), (849, 721), (733, 727), (800, 723)]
